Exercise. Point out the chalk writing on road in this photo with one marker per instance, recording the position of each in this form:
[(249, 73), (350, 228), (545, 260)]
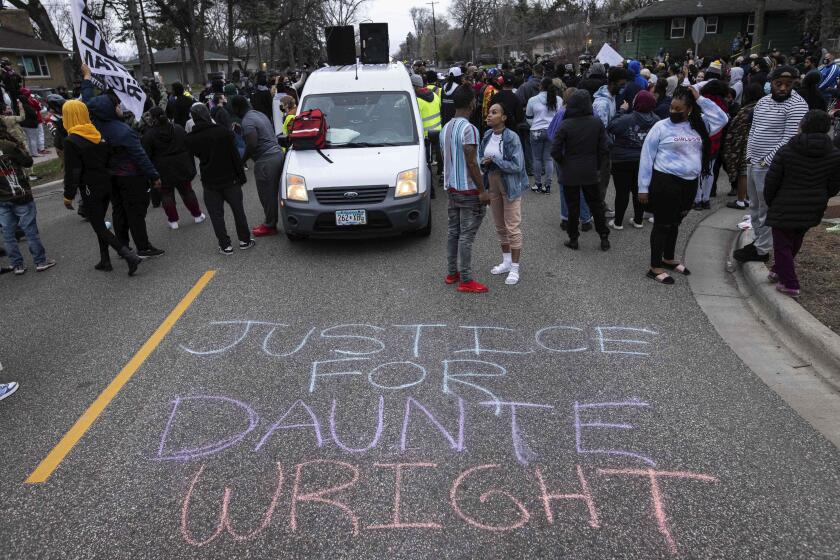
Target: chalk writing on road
[(340, 441)]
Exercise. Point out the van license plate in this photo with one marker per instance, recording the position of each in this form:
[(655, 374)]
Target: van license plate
[(350, 217)]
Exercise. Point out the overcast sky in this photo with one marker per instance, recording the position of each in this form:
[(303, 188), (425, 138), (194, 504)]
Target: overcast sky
[(395, 14)]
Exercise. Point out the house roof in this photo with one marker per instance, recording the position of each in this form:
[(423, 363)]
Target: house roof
[(172, 56), (680, 8), (554, 33), (12, 41)]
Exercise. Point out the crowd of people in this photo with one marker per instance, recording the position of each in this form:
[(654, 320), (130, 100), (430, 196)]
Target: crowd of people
[(662, 131)]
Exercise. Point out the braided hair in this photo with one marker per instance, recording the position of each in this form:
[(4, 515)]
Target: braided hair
[(695, 119)]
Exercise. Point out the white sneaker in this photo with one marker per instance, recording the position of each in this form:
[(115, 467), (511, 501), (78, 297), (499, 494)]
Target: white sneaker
[(650, 219), (173, 225), (512, 278), (640, 225), (7, 389), (200, 219), (609, 213), (500, 268), (611, 223), (746, 224)]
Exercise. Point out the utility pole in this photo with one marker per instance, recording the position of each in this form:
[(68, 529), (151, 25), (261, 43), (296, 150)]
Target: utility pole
[(434, 30)]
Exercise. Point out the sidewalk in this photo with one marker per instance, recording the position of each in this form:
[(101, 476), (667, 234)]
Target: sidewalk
[(738, 306)]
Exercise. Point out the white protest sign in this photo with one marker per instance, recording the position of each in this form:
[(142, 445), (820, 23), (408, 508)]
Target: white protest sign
[(609, 55), (97, 54)]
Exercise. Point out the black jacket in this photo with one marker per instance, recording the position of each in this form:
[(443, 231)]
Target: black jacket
[(218, 158), (514, 109), (179, 111), (30, 115), (580, 144), (593, 83), (14, 185), (804, 174), (167, 148), (85, 166), (261, 101)]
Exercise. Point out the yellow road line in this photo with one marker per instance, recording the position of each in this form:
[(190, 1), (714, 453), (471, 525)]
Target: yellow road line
[(72, 437)]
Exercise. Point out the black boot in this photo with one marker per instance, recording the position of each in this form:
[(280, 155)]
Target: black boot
[(605, 242), (131, 258), (104, 265), (572, 244)]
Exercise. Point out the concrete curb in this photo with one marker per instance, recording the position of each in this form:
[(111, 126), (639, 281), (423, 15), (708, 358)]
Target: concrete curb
[(49, 185), (820, 343)]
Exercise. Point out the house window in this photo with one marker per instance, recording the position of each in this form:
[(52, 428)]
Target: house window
[(628, 35), (750, 24), (36, 66), (677, 28), (711, 25)]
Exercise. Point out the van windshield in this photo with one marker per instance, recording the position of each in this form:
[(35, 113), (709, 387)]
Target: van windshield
[(366, 119)]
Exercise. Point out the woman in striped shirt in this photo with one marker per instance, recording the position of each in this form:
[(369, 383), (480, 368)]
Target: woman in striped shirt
[(675, 154)]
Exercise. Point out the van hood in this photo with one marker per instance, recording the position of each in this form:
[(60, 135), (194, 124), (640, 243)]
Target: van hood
[(352, 166)]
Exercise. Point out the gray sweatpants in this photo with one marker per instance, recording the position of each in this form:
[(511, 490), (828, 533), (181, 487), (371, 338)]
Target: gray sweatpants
[(758, 208), (267, 174)]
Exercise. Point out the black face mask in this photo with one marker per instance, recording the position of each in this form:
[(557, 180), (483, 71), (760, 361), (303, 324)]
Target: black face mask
[(678, 118)]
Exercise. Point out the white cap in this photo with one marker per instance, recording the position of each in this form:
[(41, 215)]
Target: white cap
[(455, 71)]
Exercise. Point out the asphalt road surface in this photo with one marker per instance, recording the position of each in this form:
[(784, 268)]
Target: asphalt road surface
[(296, 409)]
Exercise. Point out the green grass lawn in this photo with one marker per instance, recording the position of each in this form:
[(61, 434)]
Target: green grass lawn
[(47, 171)]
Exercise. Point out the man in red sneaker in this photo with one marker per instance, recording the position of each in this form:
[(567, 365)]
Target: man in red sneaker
[(465, 187), (261, 146)]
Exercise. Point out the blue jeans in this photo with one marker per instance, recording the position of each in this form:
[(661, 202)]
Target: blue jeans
[(465, 214), (585, 214), (13, 215), (543, 163)]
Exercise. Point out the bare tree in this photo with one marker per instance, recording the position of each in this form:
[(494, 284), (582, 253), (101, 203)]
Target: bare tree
[(139, 37), (420, 17), (341, 12), (39, 15)]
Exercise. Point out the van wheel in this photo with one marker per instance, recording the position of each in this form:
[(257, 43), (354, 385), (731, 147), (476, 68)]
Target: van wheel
[(294, 237), (427, 230)]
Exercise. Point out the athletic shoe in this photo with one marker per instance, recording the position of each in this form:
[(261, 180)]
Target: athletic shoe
[(650, 219), (19, 269), (7, 389), (746, 224), (785, 290), (244, 245), (571, 244), (773, 277), (263, 230), (586, 226), (737, 205), (611, 223), (453, 278), (609, 213), (200, 218), (605, 242), (472, 287), (500, 269), (512, 277), (536, 188), (639, 225), (47, 264), (697, 206), (226, 250), (173, 225), (149, 252)]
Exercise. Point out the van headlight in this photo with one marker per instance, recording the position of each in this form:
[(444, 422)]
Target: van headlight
[(296, 188), (406, 183)]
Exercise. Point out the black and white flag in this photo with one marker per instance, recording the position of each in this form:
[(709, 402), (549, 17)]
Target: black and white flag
[(103, 63)]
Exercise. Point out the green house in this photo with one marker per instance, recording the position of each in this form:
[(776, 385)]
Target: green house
[(666, 25)]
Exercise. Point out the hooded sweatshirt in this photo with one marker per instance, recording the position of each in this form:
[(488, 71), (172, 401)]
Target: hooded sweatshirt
[(14, 185), (634, 85), (629, 132), (580, 145), (596, 78), (804, 174), (603, 106), (676, 148), (128, 158), (736, 82)]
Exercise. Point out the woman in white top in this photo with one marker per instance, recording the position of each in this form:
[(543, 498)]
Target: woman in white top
[(539, 113)]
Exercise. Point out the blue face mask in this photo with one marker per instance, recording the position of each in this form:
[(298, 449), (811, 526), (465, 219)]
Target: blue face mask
[(766, 88)]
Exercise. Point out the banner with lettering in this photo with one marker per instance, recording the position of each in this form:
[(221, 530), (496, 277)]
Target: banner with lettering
[(103, 63)]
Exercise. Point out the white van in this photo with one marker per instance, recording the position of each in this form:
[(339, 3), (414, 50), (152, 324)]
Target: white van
[(378, 182)]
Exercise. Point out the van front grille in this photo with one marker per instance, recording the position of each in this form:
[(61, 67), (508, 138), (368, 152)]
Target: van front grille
[(351, 196)]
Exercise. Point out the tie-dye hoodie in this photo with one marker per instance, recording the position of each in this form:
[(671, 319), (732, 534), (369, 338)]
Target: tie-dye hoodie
[(677, 149)]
